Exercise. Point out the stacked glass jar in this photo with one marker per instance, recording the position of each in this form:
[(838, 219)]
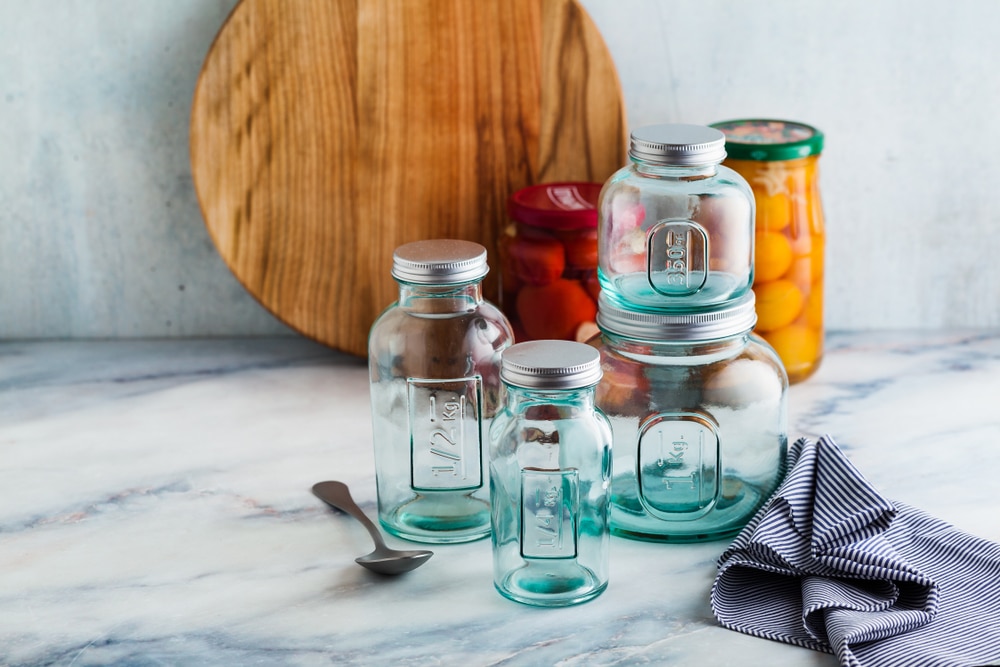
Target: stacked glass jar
[(696, 401)]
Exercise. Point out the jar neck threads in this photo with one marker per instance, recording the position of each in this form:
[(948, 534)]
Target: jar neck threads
[(655, 170), (438, 299), (562, 403), (682, 350)]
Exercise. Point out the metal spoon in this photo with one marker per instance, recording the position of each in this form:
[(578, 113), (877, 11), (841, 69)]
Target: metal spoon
[(383, 560)]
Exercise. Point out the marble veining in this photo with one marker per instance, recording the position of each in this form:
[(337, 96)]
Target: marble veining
[(155, 509)]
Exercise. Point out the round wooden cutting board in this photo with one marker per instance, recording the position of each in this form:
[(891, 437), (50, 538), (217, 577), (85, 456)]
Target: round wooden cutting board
[(325, 133)]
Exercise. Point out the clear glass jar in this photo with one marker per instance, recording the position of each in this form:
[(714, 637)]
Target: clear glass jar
[(434, 366), (699, 414), (548, 262), (675, 227), (780, 161), (550, 476)]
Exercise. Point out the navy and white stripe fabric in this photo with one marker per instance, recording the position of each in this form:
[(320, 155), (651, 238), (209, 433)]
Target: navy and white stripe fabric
[(830, 564)]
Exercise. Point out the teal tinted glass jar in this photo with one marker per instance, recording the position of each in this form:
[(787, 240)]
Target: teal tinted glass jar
[(434, 367), (698, 409), (675, 227), (550, 476)]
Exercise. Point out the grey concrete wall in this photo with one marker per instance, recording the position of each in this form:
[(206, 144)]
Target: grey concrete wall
[(101, 235)]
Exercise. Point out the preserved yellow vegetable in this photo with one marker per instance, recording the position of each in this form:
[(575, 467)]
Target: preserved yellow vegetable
[(779, 160)]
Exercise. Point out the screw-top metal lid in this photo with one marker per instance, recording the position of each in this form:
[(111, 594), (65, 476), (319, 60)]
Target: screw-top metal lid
[(551, 364), (687, 327), (678, 145), (439, 262)]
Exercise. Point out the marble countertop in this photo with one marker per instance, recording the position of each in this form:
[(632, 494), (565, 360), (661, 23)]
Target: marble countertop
[(155, 509)]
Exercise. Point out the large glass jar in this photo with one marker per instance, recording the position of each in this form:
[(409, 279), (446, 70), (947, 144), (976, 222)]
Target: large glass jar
[(698, 411), (780, 161), (675, 227), (548, 262), (434, 365), (550, 476)]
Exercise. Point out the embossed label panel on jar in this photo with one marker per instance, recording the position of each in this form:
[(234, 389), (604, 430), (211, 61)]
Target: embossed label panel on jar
[(677, 257), (549, 502), (445, 434), (678, 460)]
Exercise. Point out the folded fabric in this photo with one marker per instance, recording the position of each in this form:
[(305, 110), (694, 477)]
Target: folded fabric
[(830, 564)]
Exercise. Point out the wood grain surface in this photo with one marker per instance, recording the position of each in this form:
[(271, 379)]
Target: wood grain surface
[(325, 133)]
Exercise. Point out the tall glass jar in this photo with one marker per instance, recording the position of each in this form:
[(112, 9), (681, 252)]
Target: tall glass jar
[(434, 365), (780, 161), (675, 227), (550, 476), (698, 410), (548, 261)]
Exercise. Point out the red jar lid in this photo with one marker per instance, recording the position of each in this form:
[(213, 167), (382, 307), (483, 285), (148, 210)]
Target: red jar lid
[(556, 205)]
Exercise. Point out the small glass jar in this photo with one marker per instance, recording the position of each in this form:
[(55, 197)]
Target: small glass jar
[(550, 476), (779, 159), (434, 366), (698, 410), (675, 227), (548, 262)]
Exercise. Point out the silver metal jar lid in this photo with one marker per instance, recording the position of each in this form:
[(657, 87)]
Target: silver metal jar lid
[(551, 364), (728, 321), (678, 145), (439, 262)]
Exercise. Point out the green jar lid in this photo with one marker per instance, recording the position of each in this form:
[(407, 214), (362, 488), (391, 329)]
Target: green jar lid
[(767, 140)]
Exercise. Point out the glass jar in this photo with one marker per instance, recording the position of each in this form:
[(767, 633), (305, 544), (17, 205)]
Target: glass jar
[(698, 410), (434, 365), (548, 262), (675, 227), (550, 476), (779, 160)]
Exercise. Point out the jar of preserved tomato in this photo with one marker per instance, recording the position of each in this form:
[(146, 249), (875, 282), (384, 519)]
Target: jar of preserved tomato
[(548, 262), (779, 160), (675, 226), (698, 411)]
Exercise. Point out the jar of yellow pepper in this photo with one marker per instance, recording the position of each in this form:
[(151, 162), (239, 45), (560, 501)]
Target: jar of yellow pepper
[(778, 159)]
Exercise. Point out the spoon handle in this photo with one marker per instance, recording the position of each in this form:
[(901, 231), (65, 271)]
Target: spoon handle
[(336, 494)]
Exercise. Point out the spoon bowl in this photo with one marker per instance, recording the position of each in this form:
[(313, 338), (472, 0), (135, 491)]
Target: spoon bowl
[(382, 560)]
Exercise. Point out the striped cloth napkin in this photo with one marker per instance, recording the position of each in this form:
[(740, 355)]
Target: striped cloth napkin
[(830, 564)]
